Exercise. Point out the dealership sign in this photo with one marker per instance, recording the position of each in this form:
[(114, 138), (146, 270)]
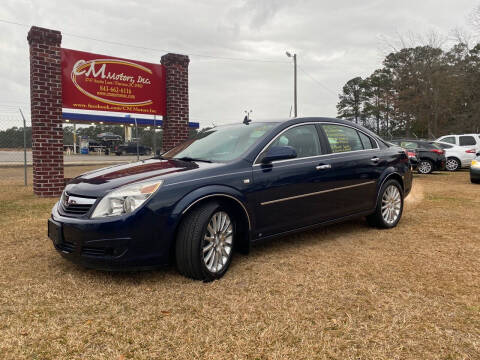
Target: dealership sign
[(105, 83)]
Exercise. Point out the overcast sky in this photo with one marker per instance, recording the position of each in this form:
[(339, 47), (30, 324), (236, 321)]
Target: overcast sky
[(334, 40)]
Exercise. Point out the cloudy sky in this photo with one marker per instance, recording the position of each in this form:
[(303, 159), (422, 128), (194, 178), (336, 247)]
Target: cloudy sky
[(334, 40)]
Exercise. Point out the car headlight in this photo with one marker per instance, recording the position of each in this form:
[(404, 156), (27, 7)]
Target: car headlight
[(126, 199), (475, 163)]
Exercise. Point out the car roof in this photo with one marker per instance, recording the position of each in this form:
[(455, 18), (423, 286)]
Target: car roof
[(298, 120)]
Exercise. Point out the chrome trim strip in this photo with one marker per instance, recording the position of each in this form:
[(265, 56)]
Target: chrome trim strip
[(225, 195), (307, 157), (332, 156), (75, 200), (316, 193)]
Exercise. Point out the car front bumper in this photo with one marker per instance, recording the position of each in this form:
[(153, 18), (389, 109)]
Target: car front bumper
[(123, 243)]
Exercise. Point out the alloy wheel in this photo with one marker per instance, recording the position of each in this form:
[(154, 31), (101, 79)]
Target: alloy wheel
[(218, 242), (391, 204), (425, 167), (451, 165)]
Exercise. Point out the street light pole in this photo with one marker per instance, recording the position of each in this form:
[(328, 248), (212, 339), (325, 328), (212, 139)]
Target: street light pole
[(294, 82)]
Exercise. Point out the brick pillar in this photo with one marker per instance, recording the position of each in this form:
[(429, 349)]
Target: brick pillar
[(46, 111), (175, 122)]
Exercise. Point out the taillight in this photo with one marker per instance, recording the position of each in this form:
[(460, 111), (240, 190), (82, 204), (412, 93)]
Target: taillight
[(411, 154), (437, 151), (471, 151)]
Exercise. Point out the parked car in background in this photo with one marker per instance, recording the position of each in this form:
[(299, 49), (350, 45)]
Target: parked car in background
[(131, 148), (457, 156), (429, 156), (475, 170), (465, 140), (229, 187)]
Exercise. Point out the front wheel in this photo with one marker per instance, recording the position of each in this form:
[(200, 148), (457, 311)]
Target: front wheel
[(204, 245), (389, 206)]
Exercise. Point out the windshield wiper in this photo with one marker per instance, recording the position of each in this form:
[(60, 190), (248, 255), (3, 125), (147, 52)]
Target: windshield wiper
[(187, 158)]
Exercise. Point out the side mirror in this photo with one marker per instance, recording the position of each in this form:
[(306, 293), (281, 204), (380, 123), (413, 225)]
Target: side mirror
[(279, 153)]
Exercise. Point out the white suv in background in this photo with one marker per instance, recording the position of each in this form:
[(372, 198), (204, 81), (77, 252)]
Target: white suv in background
[(457, 156), (465, 140)]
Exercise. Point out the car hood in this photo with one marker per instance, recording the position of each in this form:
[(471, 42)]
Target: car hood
[(99, 182)]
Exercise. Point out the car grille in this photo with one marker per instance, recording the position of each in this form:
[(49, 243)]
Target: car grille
[(74, 206)]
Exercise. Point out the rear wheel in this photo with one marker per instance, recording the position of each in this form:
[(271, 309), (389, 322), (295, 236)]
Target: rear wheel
[(452, 164), (389, 207), (425, 167), (204, 245), (475, 181)]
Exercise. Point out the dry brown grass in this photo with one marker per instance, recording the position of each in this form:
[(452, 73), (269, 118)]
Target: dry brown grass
[(342, 292)]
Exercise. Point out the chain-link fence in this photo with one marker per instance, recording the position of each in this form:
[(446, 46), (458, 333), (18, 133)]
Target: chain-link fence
[(93, 144), (15, 139)]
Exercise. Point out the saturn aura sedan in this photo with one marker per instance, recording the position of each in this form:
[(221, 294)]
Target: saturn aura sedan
[(225, 189)]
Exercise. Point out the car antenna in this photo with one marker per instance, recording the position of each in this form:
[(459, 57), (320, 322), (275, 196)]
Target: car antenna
[(246, 119)]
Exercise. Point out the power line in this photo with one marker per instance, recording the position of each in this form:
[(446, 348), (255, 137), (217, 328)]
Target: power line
[(318, 82), (154, 49)]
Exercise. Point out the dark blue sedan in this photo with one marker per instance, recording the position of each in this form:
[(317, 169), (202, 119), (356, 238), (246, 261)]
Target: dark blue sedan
[(229, 187)]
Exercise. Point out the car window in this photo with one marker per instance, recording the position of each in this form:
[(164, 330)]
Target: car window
[(467, 140), (304, 139), (366, 141), (221, 144), (434, 145), (444, 146), (408, 145), (342, 138), (449, 139)]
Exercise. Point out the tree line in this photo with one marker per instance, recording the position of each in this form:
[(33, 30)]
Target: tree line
[(421, 91)]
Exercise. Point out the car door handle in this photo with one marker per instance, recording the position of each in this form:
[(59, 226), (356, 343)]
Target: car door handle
[(375, 159), (323, 167)]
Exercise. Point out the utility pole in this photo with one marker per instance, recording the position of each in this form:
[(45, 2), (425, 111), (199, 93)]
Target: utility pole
[(294, 82)]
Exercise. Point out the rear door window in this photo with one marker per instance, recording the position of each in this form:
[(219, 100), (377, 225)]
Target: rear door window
[(342, 138), (467, 140), (366, 141), (449, 139)]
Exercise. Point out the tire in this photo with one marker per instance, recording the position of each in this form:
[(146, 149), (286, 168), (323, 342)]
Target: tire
[(192, 259), (390, 197), (453, 164), (475, 181), (424, 167)]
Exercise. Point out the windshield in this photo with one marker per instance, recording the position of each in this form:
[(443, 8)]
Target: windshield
[(220, 144)]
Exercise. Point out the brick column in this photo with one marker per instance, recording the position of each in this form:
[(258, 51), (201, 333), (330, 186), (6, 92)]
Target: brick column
[(46, 111), (175, 122)]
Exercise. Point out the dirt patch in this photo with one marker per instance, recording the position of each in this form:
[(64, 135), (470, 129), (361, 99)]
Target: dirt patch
[(341, 292)]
